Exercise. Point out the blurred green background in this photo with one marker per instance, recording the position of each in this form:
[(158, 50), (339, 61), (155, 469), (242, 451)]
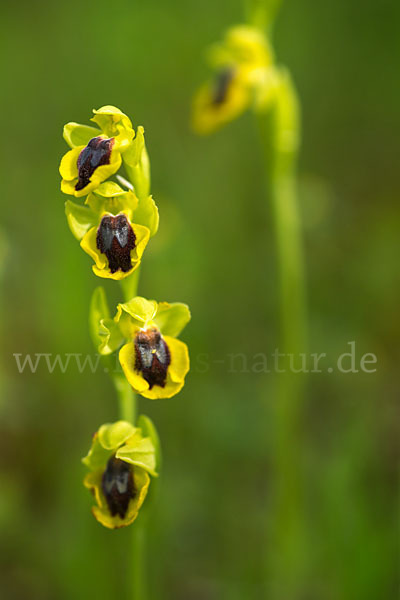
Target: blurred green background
[(213, 534)]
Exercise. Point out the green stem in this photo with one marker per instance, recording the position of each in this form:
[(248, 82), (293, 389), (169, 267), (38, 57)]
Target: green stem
[(128, 412), (280, 129), (126, 398), (139, 566), (130, 284), (262, 13), (139, 175), (279, 125)]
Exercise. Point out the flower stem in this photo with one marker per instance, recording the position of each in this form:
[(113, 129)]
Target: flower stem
[(130, 284), (126, 398), (261, 13), (280, 131), (279, 126), (128, 412), (139, 566)]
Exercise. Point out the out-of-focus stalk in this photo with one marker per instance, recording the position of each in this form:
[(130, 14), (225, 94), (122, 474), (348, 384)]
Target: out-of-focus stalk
[(279, 125), (261, 13), (280, 130)]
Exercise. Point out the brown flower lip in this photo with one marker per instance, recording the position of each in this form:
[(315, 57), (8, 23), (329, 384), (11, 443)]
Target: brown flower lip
[(152, 357), (115, 238), (221, 86), (118, 486), (95, 154)]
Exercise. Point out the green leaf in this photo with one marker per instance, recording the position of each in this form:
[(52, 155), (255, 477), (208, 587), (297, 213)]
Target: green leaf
[(97, 456), (80, 218), (137, 165), (139, 451), (98, 311), (112, 435), (111, 336), (148, 429), (147, 214), (140, 309), (114, 123), (109, 189), (109, 197), (79, 135), (133, 154), (172, 318)]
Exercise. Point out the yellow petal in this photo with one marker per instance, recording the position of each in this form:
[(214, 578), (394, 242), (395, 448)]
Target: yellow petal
[(180, 363), (127, 358), (89, 245), (68, 165), (68, 187), (142, 235)]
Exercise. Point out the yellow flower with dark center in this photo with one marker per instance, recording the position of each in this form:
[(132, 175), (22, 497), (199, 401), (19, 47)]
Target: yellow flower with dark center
[(220, 101), (241, 63), (95, 153), (154, 362), (121, 460), (113, 228)]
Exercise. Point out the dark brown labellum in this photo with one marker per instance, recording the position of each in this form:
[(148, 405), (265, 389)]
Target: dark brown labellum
[(115, 238), (118, 486), (96, 153), (221, 86), (152, 357)]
